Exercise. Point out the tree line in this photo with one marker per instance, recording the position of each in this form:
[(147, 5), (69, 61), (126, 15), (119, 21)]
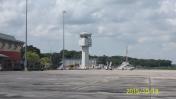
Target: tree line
[(144, 63), (38, 60)]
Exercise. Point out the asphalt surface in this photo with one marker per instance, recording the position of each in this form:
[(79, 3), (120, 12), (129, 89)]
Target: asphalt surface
[(86, 84)]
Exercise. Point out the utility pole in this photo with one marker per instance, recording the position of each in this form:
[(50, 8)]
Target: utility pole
[(25, 62), (63, 21)]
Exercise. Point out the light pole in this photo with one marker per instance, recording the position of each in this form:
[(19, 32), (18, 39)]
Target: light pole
[(63, 21), (25, 62)]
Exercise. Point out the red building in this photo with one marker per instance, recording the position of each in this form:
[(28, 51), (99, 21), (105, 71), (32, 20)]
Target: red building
[(10, 52)]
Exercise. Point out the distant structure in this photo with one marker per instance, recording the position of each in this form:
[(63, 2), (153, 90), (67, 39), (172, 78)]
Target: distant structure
[(126, 65), (10, 52), (73, 63), (85, 42)]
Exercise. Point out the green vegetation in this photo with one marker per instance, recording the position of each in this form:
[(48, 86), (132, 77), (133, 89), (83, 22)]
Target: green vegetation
[(33, 61), (31, 48), (40, 61), (45, 62), (34, 58), (138, 63), (71, 54)]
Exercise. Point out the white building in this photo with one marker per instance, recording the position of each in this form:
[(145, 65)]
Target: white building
[(85, 42), (77, 62)]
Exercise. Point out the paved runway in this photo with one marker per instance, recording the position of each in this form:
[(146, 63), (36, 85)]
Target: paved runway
[(86, 84)]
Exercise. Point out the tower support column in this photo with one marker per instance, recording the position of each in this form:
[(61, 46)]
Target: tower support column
[(85, 57)]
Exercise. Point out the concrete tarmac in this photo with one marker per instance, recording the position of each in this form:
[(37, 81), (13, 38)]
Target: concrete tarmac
[(86, 84)]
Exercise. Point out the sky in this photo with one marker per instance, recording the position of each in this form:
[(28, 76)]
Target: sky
[(147, 27)]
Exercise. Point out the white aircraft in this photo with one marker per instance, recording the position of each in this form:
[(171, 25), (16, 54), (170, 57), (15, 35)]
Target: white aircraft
[(126, 65)]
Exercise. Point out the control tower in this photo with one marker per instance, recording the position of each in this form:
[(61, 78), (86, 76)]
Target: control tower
[(85, 42)]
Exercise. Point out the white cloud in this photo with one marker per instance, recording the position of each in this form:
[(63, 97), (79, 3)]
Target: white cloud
[(141, 24)]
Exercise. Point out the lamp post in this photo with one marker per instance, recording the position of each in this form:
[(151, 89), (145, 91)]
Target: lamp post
[(25, 62), (63, 21)]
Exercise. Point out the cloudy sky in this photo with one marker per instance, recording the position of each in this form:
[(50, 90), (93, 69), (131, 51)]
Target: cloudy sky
[(148, 27)]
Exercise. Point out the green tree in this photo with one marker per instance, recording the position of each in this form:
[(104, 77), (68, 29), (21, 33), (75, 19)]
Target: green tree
[(33, 61), (103, 59), (32, 57), (31, 48), (71, 54), (45, 62), (56, 60)]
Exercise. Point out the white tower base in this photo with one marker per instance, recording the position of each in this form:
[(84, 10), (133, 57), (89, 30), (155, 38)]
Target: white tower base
[(85, 58)]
